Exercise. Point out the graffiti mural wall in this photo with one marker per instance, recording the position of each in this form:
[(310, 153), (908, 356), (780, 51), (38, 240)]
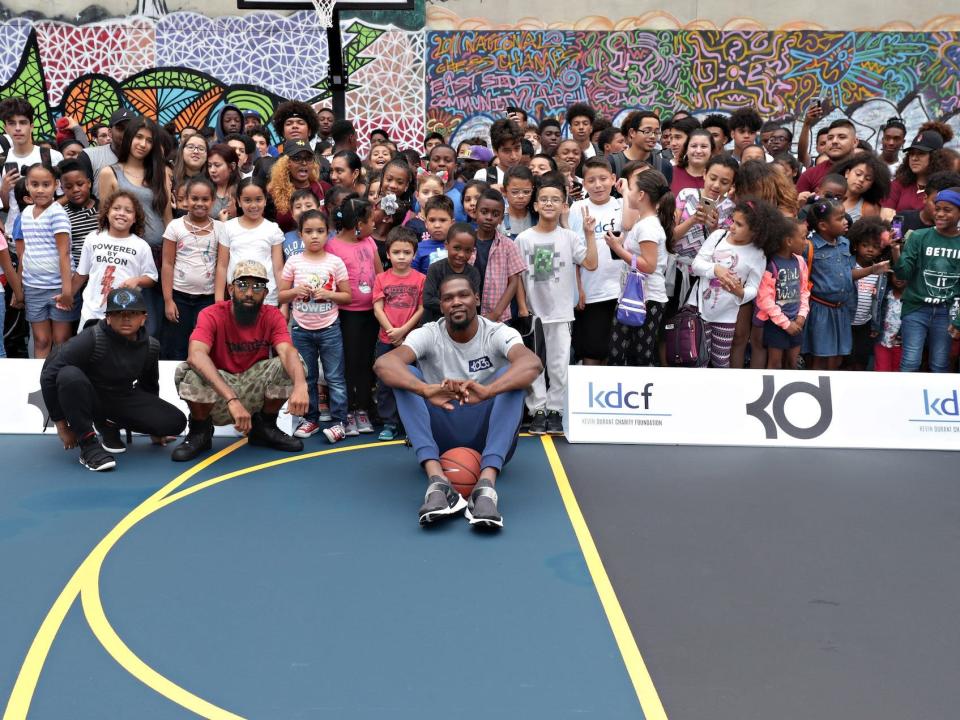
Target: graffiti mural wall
[(869, 77), (183, 67)]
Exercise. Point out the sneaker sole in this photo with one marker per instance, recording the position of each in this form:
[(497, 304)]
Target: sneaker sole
[(365, 431), (429, 517), (333, 440), (482, 522), (114, 451), (304, 435), (106, 466), (555, 433), (537, 432)]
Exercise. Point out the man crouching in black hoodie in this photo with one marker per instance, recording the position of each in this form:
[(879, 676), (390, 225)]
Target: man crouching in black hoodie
[(105, 378)]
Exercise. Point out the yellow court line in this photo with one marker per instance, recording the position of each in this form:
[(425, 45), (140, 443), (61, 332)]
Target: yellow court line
[(26, 684), (637, 669), (85, 583)]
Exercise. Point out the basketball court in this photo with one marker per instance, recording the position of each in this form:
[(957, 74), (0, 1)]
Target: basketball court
[(628, 582)]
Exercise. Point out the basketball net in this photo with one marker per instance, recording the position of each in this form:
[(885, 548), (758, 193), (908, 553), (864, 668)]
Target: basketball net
[(324, 11)]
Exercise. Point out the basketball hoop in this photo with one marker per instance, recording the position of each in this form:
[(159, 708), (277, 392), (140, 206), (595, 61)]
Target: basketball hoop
[(324, 12)]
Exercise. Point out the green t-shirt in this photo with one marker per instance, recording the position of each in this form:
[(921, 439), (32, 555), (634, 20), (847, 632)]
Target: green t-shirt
[(930, 263)]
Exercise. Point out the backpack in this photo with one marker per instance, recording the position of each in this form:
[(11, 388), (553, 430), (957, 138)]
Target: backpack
[(683, 336), (684, 339)]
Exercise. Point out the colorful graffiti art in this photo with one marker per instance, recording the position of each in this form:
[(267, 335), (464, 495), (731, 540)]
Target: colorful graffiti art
[(184, 67), (473, 75)]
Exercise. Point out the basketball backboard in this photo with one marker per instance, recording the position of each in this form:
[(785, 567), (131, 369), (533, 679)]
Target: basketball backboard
[(306, 5)]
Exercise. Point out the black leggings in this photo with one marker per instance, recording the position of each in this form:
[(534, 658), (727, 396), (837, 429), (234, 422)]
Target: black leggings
[(359, 329)]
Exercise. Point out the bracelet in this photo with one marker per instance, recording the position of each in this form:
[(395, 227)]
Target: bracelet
[(232, 399)]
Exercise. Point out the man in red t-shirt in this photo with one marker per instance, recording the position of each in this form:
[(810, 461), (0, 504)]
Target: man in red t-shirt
[(229, 376), (841, 144)]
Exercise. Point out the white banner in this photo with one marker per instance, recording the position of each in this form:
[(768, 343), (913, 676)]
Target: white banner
[(22, 410), (681, 406)]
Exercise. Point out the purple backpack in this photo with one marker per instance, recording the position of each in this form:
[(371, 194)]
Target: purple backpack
[(685, 340)]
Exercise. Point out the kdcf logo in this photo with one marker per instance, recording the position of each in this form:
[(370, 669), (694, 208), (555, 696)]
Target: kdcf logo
[(617, 399), (819, 392), (949, 405)]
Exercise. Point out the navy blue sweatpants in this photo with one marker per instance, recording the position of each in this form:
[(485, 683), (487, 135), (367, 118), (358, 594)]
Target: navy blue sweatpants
[(490, 427)]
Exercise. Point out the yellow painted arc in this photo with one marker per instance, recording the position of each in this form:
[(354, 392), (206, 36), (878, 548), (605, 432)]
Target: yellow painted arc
[(636, 667), (18, 705), (128, 660)]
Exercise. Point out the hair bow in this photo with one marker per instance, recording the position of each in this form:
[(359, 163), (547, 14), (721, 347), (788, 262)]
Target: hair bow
[(388, 203)]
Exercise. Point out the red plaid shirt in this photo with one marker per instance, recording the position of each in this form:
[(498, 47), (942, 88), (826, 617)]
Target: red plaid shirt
[(505, 261)]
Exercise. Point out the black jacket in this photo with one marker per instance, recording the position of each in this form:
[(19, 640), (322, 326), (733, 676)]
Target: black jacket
[(112, 364)]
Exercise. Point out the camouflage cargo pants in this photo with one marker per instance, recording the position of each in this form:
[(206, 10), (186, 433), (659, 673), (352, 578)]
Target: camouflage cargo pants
[(266, 379)]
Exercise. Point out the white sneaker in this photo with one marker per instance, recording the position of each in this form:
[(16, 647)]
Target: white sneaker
[(335, 433), (363, 422), (350, 426)]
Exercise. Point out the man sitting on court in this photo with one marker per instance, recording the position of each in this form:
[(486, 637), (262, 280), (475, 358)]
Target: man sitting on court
[(89, 383), (467, 392), (229, 376)]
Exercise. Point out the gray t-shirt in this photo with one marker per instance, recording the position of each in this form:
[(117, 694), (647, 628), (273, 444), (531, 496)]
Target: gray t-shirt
[(441, 357)]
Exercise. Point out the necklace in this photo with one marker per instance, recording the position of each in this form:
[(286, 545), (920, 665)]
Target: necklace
[(195, 229)]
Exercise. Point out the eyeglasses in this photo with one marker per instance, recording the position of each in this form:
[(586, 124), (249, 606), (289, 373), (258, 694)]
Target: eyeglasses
[(195, 148), (648, 132), (302, 159), (550, 201), (256, 286)]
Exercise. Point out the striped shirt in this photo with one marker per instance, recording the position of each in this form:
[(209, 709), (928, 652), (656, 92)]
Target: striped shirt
[(83, 221), (866, 289), (41, 260)]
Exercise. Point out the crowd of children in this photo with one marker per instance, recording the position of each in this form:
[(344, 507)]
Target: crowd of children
[(823, 279)]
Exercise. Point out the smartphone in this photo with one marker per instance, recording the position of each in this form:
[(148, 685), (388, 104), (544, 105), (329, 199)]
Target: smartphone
[(706, 202), (7, 167), (616, 234), (896, 227), (817, 102)]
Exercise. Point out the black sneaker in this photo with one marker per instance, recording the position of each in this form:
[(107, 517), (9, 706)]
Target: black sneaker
[(538, 426), (554, 423), (264, 432), (440, 500), (94, 457), (111, 439), (482, 508), (199, 439)]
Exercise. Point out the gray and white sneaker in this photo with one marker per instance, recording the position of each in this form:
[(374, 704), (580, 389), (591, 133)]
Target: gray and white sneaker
[(440, 500), (482, 508), (363, 422), (350, 426)]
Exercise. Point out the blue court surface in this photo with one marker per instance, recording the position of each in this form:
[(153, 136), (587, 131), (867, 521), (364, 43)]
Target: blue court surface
[(698, 583), (262, 585)]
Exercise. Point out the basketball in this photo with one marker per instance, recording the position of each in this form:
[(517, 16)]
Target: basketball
[(462, 468)]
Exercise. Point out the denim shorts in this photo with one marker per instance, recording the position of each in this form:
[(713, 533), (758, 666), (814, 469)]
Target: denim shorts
[(41, 305)]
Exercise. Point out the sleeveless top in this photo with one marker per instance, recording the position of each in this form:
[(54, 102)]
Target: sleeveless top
[(153, 227), (856, 211)]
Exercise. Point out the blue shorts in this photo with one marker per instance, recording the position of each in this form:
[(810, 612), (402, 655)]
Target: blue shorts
[(41, 306)]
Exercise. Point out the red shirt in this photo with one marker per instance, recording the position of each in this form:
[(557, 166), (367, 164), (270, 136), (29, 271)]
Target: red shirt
[(402, 297), (682, 179), (904, 197), (285, 219), (235, 348), (812, 176)]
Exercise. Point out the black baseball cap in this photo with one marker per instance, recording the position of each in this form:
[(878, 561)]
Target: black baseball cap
[(295, 147), (121, 116), (125, 299), (927, 141)]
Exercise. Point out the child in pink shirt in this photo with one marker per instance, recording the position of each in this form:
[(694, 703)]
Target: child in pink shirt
[(398, 306), (315, 282)]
